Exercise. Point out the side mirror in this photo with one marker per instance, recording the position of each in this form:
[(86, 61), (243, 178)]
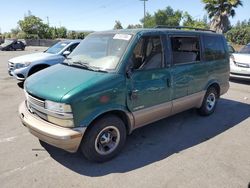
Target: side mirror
[(66, 53)]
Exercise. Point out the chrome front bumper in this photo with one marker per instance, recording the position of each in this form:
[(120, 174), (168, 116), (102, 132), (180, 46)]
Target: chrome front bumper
[(240, 76), (239, 72), (64, 138)]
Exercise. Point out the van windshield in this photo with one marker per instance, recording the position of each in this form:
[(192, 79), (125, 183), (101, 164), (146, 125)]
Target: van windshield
[(100, 51)]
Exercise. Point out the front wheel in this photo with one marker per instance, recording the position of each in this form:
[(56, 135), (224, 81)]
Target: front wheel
[(104, 139), (209, 102)]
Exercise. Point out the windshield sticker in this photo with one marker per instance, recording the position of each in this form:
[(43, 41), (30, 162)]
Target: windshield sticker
[(122, 36), (63, 44)]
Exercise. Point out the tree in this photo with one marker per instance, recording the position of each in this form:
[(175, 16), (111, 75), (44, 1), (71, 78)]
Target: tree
[(34, 27), (240, 33), (149, 21), (14, 32), (131, 26), (7, 35), (118, 25), (80, 35), (220, 11), (189, 21), (167, 17), (61, 32), (72, 35)]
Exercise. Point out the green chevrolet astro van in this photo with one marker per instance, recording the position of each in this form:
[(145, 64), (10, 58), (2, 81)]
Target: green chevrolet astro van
[(117, 81)]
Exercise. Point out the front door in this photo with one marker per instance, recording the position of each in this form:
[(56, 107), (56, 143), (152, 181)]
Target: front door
[(149, 86)]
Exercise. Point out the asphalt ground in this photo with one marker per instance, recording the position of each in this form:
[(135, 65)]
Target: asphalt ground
[(185, 150)]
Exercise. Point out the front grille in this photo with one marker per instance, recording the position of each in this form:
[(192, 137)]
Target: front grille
[(35, 101), (35, 111), (33, 105), (36, 106), (11, 66)]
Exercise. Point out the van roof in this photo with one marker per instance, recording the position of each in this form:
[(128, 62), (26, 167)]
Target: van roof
[(169, 30)]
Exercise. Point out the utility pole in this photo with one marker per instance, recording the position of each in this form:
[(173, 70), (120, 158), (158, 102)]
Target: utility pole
[(48, 20), (144, 2)]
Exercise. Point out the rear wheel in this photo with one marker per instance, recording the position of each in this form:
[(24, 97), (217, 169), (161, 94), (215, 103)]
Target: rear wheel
[(104, 139), (209, 102)]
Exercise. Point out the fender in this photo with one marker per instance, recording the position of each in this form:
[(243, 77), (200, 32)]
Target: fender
[(211, 82), (109, 109)]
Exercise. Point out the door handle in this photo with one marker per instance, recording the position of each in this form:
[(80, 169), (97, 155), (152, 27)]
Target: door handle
[(133, 94), (169, 82)]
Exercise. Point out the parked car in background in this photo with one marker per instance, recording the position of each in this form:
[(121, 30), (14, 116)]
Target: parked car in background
[(117, 81), (240, 63), (12, 45), (1, 40), (23, 66)]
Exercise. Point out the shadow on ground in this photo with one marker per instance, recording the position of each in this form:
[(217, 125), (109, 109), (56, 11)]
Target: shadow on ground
[(159, 140), (240, 81)]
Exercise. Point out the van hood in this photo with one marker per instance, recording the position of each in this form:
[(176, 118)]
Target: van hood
[(33, 57), (56, 81)]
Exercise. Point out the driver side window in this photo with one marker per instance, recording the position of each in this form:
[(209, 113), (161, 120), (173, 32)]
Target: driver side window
[(148, 54), (72, 47)]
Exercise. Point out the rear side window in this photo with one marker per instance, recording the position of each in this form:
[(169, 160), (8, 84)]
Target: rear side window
[(214, 49), (185, 49)]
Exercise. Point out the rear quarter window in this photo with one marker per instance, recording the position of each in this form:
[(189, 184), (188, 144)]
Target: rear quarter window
[(214, 48)]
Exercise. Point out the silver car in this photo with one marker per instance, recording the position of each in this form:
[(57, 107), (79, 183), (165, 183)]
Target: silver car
[(23, 66), (240, 63)]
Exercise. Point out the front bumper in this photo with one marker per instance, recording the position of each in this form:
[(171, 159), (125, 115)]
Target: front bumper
[(18, 73), (239, 72), (64, 138)]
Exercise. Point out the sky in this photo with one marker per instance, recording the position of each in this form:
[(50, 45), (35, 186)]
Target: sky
[(97, 15)]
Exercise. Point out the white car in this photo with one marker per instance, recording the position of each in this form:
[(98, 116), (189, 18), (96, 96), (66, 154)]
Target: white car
[(23, 66), (240, 63)]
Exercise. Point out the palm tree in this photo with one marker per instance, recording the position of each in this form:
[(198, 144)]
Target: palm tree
[(220, 11)]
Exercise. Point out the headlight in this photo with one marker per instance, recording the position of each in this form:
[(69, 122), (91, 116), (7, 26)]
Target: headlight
[(21, 65), (57, 107), (61, 122), (232, 60)]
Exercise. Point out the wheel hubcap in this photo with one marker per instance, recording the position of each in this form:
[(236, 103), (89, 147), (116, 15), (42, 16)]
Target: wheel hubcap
[(211, 99), (107, 140)]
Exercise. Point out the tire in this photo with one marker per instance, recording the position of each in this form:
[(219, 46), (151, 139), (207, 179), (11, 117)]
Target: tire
[(209, 102), (104, 139)]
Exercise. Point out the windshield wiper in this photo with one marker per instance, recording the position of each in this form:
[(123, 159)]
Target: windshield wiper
[(81, 64), (97, 69), (84, 65)]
